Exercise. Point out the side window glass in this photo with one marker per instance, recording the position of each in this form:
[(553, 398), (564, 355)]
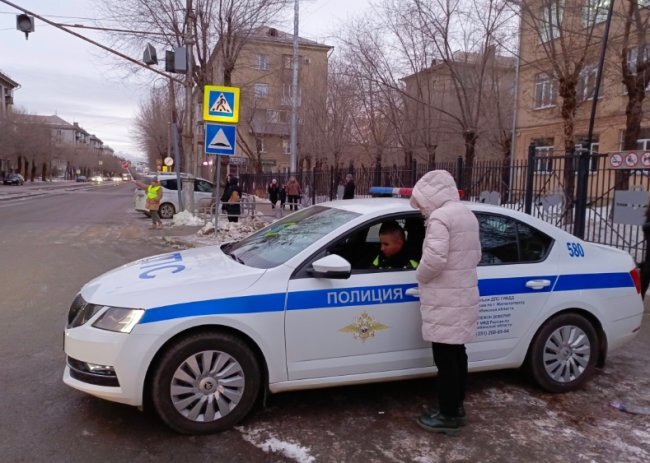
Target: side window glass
[(534, 245), (170, 184), (202, 186), (498, 236), (508, 241)]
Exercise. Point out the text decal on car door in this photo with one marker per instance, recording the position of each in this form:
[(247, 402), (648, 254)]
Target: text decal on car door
[(164, 263)]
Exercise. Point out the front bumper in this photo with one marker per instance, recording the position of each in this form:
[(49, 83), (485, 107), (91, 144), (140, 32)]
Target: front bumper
[(129, 354)]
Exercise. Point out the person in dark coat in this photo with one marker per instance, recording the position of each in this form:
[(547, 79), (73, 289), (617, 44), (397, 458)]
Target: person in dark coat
[(224, 196), (348, 192), (232, 200), (274, 193), (283, 196)]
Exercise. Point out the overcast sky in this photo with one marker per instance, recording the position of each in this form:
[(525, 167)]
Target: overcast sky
[(61, 74)]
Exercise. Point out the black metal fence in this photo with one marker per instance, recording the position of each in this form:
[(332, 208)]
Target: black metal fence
[(545, 186)]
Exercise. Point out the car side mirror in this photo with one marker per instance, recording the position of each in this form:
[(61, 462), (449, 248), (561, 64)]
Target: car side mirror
[(332, 266)]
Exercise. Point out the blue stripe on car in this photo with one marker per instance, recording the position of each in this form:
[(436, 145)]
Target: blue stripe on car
[(373, 295)]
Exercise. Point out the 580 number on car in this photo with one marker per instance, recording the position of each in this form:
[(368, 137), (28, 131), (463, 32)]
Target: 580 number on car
[(575, 250)]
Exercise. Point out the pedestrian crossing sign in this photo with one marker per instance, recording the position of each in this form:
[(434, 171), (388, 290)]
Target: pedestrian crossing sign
[(221, 104), (220, 139)]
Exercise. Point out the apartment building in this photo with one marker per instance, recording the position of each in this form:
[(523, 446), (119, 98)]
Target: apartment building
[(554, 25), (433, 109), (7, 87), (264, 74)]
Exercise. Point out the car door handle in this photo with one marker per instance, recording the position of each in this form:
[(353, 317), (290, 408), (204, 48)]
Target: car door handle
[(538, 284), (413, 292)]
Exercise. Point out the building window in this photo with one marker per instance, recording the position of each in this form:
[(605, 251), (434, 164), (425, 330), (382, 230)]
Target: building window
[(593, 162), (550, 19), (286, 146), (262, 62), (594, 12), (259, 145), (275, 116), (261, 90), (643, 144), (632, 56), (543, 153), (545, 91), (287, 95), (587, 83)]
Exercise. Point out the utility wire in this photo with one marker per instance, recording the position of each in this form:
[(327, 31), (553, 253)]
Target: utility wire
[(104, 47)]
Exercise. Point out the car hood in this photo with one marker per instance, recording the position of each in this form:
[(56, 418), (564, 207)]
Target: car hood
[(172, 278)]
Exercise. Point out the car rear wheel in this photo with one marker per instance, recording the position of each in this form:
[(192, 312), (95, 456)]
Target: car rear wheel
[(205, 383), (166, 211), (563, 353)]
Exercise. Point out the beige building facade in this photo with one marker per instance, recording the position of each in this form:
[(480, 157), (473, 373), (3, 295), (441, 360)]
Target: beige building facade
[(264, 75), (539, 119)]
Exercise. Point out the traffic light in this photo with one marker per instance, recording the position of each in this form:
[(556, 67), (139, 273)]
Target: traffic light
[(25, 23), (149, 56), (176, 61)]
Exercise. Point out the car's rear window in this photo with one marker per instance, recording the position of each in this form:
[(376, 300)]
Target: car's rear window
[(282, 240)]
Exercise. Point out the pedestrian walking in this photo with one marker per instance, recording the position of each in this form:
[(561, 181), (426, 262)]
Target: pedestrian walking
[(293, 193), (154, 195), (274, 192), (283, 196), (232, 199), (449, 295), (348, 191)]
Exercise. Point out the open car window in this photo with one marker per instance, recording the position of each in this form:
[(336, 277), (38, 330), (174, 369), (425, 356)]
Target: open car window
[(361, 246), (282, 240)]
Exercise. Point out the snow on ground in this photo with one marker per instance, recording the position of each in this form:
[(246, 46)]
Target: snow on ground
[(186, 218), (274, 445)]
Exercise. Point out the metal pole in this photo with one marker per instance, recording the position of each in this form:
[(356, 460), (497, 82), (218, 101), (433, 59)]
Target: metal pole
[(217, 205), (177, 160), (294, 91), (188, 87), (530, 177), (585, 155)]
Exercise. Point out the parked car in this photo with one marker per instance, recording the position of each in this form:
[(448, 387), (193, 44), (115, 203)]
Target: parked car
[(14, 179), (201, 334), (169, 202), (81, 178)]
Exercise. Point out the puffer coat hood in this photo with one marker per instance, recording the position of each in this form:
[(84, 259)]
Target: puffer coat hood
[(451, 250), (433, 190)]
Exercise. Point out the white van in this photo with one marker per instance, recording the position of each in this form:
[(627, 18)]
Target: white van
[(169, 202)]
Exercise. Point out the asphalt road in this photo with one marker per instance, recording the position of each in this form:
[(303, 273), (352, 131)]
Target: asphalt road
[(51, 244)]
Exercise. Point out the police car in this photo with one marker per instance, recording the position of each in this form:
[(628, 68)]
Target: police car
[(201, 334)]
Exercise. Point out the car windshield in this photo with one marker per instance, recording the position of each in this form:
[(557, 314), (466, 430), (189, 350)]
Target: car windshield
[(277, 243)]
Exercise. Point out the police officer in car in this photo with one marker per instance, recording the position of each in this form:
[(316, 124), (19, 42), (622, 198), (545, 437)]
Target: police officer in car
[(392, 254)]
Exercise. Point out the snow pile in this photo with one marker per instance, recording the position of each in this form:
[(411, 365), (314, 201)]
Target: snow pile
[(233, 231), (186, 218), (290, 450)]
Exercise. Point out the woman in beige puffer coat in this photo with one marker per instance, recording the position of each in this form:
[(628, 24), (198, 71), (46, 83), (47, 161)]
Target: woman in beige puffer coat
[(449, 294)]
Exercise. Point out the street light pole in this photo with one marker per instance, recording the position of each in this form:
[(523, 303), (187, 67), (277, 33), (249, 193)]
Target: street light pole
[(294, 91)]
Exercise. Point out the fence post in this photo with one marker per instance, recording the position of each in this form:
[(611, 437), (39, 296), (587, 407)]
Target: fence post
[(313, 185), (581, 193), (459, 172), (331, 183), (530, 176)]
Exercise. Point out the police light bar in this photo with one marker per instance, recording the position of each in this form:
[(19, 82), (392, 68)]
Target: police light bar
[(387, 191)]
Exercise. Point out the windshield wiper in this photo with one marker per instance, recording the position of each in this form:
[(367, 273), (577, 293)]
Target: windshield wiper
[(233, 257)]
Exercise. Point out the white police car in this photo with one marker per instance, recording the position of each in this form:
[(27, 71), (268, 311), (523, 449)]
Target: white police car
[(200, 334)]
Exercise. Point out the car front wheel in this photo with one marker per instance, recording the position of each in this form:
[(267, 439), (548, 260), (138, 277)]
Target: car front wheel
[(563, 353), (166, 211), (205, 383)]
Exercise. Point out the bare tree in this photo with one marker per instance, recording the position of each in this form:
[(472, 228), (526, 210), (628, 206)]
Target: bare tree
[(216, 27), (635, 69), (151, 130)]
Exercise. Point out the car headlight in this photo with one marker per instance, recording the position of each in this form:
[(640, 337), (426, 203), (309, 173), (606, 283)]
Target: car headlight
[(118, 319)]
